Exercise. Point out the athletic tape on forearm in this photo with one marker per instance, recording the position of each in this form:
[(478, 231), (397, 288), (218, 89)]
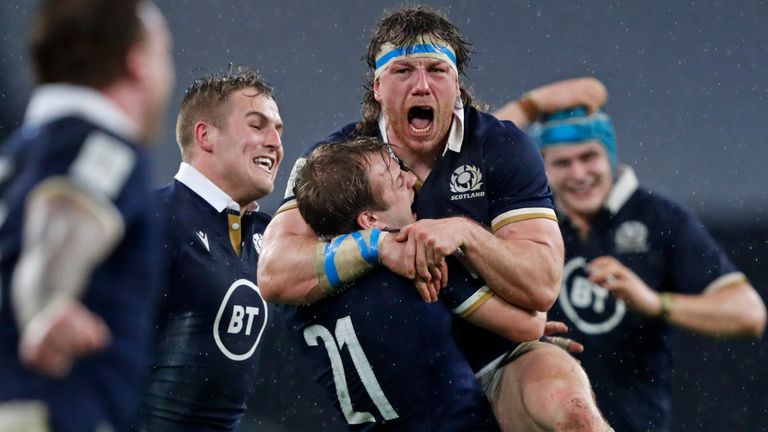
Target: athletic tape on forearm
[(67, 232), (346, 258)]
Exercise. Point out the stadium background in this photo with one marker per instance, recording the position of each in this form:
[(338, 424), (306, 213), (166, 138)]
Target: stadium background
[(688, 86)]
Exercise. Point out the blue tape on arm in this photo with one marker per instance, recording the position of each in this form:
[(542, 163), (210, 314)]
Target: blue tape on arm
[(374, 246), (330, 265), (370, 253)]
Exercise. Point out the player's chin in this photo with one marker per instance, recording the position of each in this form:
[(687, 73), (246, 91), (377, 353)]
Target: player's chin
[(586, 206)]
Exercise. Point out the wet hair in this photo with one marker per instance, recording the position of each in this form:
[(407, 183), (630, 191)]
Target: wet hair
[(205, 98), (333, 186), (84, 42), (402, 27)]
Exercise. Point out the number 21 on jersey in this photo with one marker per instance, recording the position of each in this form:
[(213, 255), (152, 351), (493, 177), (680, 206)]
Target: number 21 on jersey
[(344, 335)]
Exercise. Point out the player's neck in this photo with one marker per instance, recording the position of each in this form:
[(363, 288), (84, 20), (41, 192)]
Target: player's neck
[(579, 221), (582, 226), (131, 102), (420, 160)]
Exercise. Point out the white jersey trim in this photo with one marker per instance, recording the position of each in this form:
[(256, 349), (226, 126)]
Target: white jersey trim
[(473, 302), (724, 281), (201, 185), (51, 102), (522, 214), (624, 187)]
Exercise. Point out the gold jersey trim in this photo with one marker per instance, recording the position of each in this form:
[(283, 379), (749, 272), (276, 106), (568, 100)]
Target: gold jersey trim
[(521, 215)]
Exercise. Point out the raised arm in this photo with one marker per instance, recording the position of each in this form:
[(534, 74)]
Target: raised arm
[(556, 96)]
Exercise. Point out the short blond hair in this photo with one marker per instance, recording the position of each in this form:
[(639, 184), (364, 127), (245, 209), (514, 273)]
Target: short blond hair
[(206, 97)]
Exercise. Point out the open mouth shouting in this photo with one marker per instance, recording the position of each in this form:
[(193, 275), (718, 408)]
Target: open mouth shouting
[(420, 120)]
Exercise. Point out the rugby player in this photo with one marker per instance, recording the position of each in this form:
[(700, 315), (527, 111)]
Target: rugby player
[(637, 265), (77, 238), (481, 189), (378, 349), (212, 318)]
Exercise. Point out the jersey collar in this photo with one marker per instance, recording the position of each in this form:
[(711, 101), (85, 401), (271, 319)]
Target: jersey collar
[(455, 137), (51, 102), (626, 184), (190, 177)]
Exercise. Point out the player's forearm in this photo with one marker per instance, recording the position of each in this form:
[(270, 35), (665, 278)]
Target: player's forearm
[(286, 270), (509, 321), (295, 267), (734, 311), (67, 233), (559, 95), (524, 272)]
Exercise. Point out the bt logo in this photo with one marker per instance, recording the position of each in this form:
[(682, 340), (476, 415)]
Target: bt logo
[(236, 322), (240, 321)]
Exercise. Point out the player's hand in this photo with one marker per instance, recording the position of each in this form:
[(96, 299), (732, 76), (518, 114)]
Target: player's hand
[(625, 285), (398, 255), (429, 241), (560, 95), (59, 334), (551, 328), (431, 288)]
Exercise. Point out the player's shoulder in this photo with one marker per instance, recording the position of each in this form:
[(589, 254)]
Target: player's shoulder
[(493, 135), (485, 124), (260, 220), (177, 205), (662, 214), (657, 203), (77, 132)]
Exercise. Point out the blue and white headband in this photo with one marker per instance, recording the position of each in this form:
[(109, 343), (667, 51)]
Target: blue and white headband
[(575, 126), (425, 46)]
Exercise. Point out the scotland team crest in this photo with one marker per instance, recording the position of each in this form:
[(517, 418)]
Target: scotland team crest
[(589, 306), (631, 237), (466, 181)]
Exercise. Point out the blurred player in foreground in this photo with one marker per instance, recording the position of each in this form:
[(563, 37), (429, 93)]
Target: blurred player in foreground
[(77, 240)]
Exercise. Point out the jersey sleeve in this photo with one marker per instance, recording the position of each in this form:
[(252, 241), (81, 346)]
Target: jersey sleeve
[(518, 185), (698, 263), (110, 170), (464, 292)]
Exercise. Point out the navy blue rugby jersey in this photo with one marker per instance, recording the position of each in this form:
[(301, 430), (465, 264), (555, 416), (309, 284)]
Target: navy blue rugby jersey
[(494, 175), (212, 317), (387, 359), (627, 355), (103, 388)]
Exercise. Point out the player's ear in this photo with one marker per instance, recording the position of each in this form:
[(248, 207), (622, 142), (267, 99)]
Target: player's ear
[(203, 132), (136, 62), (376, 93), (367, 220)]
